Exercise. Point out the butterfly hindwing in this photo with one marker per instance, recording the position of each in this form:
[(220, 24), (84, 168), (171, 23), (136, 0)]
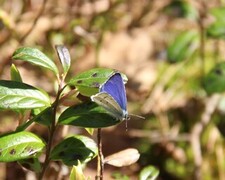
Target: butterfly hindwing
[(107, 101)]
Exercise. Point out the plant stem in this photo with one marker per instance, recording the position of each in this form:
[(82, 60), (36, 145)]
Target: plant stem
[(100, 167), (51, 132)]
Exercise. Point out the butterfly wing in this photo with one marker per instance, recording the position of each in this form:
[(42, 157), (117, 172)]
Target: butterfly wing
[(115, 87), (107, 101)]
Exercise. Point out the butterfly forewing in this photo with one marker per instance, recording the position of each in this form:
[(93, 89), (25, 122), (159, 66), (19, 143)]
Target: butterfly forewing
[(107, 101), (115, 87)]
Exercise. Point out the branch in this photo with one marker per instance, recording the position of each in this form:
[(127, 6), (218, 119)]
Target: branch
[(34, 22)]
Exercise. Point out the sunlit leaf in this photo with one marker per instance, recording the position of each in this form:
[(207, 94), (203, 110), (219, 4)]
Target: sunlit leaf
[(64, 57), (74, 149), (214, 81), (218, 13), (87, 115), (36, 57), (90, 130), (77, 173), (183, 46), (15, 74), (88, 82), (123, 158), (17, 95), (149, 173), (19, 145)]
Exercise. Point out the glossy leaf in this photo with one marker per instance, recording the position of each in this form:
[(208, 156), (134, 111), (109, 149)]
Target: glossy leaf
[(88, 115), (15, 74), (19, 145), (17, 95), (88, 82), (64, 57), (183, 46), (36, 57), (149, 173), (74, 149), (123, 158), (214, 81), (77, 173)]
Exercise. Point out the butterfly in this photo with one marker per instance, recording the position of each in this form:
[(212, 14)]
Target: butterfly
[(112, 97)]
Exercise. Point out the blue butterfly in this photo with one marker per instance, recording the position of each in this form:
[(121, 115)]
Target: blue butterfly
[(112, 97)]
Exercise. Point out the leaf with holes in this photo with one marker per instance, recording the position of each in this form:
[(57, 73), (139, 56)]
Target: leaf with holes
[(74, 149), (35, 57), (19, 145), (17, 95), (88, 82)]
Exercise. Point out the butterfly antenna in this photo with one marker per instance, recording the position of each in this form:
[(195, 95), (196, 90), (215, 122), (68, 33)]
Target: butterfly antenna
[(134, 115)]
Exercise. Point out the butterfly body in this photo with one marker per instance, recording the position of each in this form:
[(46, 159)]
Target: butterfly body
[(112, 97)]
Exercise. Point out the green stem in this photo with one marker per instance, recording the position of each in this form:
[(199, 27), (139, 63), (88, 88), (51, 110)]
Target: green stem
[(51, 132)]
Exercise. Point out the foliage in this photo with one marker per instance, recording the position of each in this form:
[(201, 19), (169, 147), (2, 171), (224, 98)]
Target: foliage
[(173, 53), (22, 145)]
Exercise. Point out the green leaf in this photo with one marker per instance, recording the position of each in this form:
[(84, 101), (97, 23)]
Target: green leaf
[(183, 46), (88, 82), (88, 115), (15, 74), (77, 173), (218, 13), (214, 81), (32, 164), (19, 145), (64, 57), (44, 117), (184, 9), (216, 30), (74, 149), (90, 130), (36, 57), (17, 95), (149, 173)]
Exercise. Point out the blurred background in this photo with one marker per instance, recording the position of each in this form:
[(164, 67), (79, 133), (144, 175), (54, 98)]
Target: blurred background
[(166, 48)]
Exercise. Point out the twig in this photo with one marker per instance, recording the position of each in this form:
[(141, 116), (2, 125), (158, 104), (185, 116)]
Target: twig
[(197, 130), (34, 22), (100, 167)]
